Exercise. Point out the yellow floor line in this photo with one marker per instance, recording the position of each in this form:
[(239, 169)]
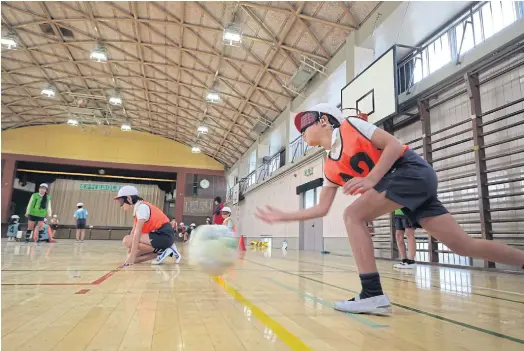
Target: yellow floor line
[(285, 335)]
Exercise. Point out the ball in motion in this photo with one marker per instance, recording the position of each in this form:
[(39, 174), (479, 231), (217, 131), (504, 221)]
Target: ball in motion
[(213, 249)]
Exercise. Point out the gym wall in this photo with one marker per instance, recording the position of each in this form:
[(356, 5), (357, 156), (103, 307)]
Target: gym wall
[(103, 144), (502, 92)]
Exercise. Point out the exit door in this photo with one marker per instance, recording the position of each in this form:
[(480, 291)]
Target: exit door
[(311, 233)]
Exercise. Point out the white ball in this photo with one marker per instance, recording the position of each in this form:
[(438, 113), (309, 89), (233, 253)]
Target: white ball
[(213, 249)]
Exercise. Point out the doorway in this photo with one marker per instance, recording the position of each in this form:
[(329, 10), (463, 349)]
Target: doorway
[(311, 231)]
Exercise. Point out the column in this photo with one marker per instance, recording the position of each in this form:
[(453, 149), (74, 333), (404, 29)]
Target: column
[(8, 179), (350, 56), (423, 110), (180, 189), (472, 86)]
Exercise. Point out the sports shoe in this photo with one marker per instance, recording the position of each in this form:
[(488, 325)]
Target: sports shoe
[(378, 305), (405, 265), (162, 256), (176, 254)]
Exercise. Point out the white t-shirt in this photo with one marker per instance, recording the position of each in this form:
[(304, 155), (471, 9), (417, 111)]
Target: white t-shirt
[(365, 128), (142, 211)]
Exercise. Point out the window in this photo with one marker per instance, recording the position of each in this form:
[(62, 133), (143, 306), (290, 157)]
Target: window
[(309, 198), (479, 23), (252, 161), (464, 38)]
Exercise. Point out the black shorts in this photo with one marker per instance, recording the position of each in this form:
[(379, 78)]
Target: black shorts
[(163, 237), (81, 223), (412, 183), (54, 226), (35, 218), (402, 222)]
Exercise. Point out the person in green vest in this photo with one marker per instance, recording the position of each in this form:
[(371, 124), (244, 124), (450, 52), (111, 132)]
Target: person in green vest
[(38, 208), (404, 225)]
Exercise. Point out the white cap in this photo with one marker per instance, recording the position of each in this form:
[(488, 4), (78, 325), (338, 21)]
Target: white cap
[(45, 220), (54, 216), (127, 190), (15, 216), (226, 209), (193, 225), (79, 204), (44, 185), (181, 223)]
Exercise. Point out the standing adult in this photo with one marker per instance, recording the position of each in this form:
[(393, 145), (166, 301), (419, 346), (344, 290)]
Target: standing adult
[(38, 208), (217, 213), (81, 221)]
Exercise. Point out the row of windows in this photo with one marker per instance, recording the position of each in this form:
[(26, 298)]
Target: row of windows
[(482, 22)]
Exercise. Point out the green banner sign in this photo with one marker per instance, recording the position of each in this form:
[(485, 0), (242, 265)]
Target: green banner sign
[(99, 187)]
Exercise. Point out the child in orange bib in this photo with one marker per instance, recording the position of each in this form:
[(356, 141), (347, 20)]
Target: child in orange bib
[(363, 159), (152, 236)]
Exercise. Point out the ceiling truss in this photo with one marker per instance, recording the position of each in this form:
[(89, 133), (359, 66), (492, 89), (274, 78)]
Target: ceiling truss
[(164, 58)]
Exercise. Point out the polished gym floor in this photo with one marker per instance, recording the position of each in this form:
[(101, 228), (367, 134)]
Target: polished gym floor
[(68, 296)]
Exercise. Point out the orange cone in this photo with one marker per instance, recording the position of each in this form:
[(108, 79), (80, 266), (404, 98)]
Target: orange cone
[(241, 244)]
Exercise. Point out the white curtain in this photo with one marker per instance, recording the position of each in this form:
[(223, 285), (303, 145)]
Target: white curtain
[(97, 198)]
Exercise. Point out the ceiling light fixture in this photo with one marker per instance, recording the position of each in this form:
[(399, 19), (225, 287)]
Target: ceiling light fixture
[(232, 35), (72, 122), (195, 150), (202, 130), (48, 91), (213, 97), (126, 127), (99, 54), (10, 41), (303, 75), (115, 100)]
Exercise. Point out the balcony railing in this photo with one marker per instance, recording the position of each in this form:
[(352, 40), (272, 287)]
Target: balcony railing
[(298, 148)]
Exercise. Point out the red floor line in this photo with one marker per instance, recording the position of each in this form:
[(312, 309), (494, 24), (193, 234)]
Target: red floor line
[(82, 291), (106, 276)]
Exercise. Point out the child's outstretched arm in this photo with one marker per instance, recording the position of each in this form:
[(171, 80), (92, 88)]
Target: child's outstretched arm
[(327, 195)]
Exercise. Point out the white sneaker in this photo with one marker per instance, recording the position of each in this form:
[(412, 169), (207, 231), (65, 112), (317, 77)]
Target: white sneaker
[(404, 265), (379, 305), (176, 254), (162, 257)]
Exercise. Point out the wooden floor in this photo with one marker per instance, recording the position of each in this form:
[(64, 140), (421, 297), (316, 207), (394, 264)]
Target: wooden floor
[(69, 297)]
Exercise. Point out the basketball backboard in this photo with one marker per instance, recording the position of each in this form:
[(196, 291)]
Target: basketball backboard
[(374, 90)]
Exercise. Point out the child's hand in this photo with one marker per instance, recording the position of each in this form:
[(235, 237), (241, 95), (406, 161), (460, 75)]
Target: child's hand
[(130, 260), (270, 214), (358, 186)]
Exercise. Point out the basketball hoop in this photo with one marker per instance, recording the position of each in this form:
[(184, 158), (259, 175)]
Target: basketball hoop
[(356, 113)]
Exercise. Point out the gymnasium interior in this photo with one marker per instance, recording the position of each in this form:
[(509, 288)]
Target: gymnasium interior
[(190, 101)]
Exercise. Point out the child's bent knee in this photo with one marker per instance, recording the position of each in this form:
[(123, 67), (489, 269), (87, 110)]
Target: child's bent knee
[(127, 241), (352, 215)]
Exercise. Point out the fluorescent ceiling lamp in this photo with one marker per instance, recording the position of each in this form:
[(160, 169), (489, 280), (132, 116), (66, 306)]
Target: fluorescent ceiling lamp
[(49, 91), (99, 54), (126, 127), (213, 97), (9, 42), (232, 35), (195, 150), (72, 122), (115, 100), (202, 129)]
